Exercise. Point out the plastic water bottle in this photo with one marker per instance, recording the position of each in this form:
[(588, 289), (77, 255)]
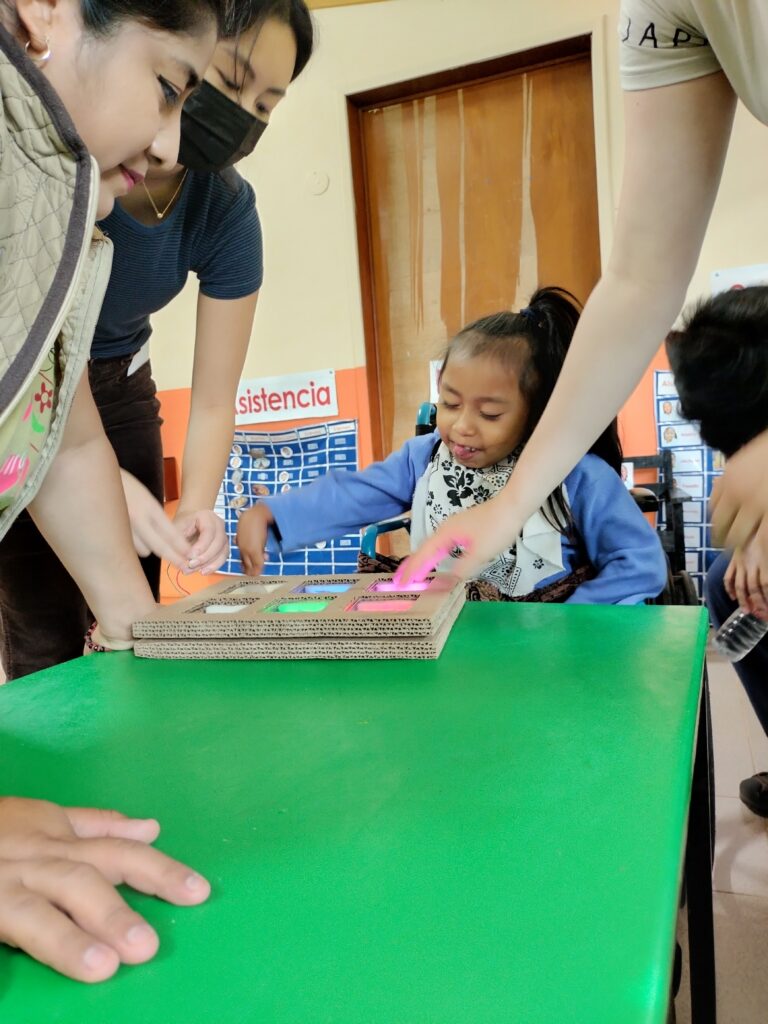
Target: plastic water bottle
[(739, 634)]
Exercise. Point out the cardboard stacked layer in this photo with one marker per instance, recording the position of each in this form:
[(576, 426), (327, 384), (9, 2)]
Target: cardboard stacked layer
[(363, 616)]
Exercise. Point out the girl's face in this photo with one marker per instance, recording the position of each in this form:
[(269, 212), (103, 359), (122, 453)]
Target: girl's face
[(253, 71), (124, 92), (481, 414)]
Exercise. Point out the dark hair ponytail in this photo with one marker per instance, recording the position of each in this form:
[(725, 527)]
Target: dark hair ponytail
[(534, 343), (559, 314), (244, 15)]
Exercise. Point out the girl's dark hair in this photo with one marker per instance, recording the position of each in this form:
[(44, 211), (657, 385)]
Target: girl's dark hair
[(720, 363), (243, 15), (533, 344), (100, 17)]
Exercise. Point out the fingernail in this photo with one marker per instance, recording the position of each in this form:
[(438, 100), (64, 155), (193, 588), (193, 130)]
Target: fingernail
[(194, 882), (139, 933), (193, 562), (97, 956)]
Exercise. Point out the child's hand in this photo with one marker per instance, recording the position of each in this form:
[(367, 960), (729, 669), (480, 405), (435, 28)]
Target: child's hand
[(58, 870), (252, 537), (153, 532), (208, 536), (474, 537), (743, 581)]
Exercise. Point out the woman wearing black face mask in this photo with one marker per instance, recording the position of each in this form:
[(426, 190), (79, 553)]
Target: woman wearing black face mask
[(198, 215)]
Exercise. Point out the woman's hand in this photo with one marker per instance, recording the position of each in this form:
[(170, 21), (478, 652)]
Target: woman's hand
[(208, 536), (739, 504), (58, 870), (745, 582), (252, 537), (153, 532), (474, 537)]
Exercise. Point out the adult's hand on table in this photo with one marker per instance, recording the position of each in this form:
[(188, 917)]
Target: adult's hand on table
[(58, 870), (153, 532), (473, 538), (206, 532)]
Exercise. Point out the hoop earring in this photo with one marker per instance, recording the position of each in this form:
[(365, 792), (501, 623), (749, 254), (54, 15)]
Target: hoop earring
[(42, 59)]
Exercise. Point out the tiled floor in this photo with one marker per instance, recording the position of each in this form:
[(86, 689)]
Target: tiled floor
[(741, 859)]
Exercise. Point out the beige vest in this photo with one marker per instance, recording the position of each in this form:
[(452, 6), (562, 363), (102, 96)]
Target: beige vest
[(53, 269)]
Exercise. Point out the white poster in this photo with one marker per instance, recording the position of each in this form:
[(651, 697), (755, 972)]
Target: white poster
[(678, 435), (693, 512), (668, 411), (692, 484), (434, 380), (688, 460), (665, 384), (298, 396), (738, 277)]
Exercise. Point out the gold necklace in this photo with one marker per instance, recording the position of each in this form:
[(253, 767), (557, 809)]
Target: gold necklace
[(161, 213)]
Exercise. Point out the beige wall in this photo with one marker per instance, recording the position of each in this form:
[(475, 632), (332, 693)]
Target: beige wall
[(309, 314)]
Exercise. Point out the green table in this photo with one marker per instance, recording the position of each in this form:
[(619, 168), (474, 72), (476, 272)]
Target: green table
[(496, 836)]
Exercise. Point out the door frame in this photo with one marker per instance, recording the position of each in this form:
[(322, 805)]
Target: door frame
[(360, 103)]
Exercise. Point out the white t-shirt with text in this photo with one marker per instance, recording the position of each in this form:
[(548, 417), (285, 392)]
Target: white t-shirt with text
[(663, 42)]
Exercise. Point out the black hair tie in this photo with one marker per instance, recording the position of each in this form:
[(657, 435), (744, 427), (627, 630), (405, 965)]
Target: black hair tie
[(531, 315)]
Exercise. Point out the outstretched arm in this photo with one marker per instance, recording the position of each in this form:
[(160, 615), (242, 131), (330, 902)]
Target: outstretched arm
[(676, 141), (221, 342), (334, 504), (81, 512)]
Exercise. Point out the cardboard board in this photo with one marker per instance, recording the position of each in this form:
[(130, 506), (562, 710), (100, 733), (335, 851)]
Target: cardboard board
[(360, 616)]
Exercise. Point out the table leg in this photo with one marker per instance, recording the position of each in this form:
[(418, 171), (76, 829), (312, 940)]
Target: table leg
[(699, 859)]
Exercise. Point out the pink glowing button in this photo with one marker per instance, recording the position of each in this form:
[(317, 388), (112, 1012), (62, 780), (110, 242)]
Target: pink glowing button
[(386, 587), (405, 604)]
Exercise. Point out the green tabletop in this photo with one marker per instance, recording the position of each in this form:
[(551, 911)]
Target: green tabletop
[(496, 836)]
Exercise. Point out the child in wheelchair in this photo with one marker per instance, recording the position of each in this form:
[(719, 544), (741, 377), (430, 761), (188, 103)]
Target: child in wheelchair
[(589, 543)]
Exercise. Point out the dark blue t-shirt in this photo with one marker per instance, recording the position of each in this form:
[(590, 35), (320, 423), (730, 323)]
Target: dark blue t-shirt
[(213, 229)]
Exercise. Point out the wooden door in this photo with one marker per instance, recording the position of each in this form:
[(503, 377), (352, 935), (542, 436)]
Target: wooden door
[(471, 197)]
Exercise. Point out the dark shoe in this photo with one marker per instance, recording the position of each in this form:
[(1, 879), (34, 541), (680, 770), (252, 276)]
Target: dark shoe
[(754, 793)]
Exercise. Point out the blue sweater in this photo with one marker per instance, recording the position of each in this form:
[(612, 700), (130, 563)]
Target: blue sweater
[(611, 531), (213, 230)]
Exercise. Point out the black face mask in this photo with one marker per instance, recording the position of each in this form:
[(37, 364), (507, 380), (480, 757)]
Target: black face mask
[(215, 131)]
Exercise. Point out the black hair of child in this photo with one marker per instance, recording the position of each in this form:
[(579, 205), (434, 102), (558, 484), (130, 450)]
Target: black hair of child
[(720, 362), (545, 326)]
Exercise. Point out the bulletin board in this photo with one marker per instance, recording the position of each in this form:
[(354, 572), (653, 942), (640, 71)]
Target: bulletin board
[(696, 467), (269, 463)]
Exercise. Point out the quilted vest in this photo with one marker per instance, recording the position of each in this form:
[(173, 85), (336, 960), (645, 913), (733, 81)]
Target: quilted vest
[(54, 269)]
